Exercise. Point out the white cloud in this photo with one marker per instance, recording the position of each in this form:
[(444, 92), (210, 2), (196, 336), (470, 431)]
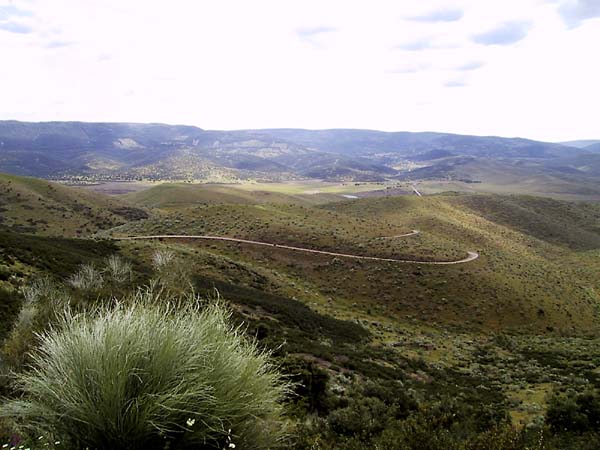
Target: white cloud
[(315, 36), (439, 15), (471, 65), (416, 45), (15, 27), (314, 64), (575, 12), (455, 83), (504, 34)]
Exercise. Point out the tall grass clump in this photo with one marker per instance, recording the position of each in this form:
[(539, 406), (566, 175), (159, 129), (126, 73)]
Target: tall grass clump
[(87, 278), (149, 375), (117, 270), (171, 272), (43, 300), (162, 259)]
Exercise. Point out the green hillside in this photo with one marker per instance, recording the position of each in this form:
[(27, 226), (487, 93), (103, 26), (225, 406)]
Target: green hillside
[(569, 224), (31, 205), (509, 328), (498, 335), (174, 195), (519, 239), (572, 178)]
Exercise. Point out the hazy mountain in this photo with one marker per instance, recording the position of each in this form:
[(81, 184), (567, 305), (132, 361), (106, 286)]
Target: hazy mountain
[(594, 148), (581, 143), (58, 149), (367, 142)]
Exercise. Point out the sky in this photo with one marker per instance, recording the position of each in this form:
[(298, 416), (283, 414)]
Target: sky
[(528, 68)]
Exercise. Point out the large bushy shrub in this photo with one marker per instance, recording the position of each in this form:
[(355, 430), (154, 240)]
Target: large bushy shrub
[(148, 375), (578, 414)]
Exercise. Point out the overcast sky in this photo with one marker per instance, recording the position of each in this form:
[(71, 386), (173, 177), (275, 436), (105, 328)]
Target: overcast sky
[(527, 68)]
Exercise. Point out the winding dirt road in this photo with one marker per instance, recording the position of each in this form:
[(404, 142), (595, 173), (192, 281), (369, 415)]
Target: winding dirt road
[(471, 255), (412, 233)]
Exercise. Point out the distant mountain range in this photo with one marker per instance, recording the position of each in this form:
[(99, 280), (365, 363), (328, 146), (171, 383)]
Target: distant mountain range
[(585, 143), (157, 151)]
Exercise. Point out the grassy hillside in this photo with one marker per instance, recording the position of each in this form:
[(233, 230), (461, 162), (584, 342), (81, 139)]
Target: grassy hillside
[(497, 335), (495, 292), (31, 205), (507, 329), (568, 224), (562, 177), (24, 257), (176, 195)]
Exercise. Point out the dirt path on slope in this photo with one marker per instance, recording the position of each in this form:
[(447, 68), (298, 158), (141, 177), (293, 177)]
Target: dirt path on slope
[(471, 256)]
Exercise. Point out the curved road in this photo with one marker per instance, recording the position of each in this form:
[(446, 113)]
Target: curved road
[(412, 233), (471, 255)]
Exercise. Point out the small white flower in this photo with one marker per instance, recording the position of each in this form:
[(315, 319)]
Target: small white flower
[(231, 445), (190, 422)]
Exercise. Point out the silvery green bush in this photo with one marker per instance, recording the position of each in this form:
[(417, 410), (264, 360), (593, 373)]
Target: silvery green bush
[(147, 374)]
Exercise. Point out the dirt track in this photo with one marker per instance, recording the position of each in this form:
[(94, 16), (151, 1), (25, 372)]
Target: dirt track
[(471, 255)]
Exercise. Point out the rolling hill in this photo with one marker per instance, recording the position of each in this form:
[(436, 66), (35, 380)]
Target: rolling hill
[(175, 195), (519, 239), (31, 205), (499, 333)]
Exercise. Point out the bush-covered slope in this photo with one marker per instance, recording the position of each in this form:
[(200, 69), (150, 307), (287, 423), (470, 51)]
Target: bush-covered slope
[(32, 205), (494, 292), (388, 355)]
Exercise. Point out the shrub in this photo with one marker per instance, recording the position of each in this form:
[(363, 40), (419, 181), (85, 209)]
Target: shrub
[(577, 414), (150, 376), (310, 382), (10, 302), (162, 259), (117, 270), (87, 278), (364, 417), (171, 272), (42, 300)]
